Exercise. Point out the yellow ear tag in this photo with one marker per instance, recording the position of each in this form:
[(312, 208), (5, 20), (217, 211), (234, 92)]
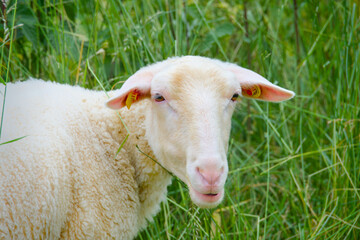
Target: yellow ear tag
[(254, 91), (132, 97)]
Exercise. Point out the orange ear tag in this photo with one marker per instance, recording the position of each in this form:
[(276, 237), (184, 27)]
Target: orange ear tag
[(132, 97), (254, 91)]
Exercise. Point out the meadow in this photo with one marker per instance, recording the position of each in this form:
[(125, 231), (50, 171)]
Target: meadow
[(294, 166)]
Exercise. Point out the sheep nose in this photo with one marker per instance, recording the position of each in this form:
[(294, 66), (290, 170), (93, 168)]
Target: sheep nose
[(210, 175)]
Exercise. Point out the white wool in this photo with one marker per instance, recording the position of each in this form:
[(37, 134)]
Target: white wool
[(61, 180)]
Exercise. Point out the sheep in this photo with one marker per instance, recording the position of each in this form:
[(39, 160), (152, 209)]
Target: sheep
[(63, 177)]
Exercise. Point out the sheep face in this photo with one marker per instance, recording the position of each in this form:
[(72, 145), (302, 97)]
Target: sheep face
[(188, 126)]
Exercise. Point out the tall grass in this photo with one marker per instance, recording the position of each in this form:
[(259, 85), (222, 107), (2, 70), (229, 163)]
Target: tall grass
[(294, 168)]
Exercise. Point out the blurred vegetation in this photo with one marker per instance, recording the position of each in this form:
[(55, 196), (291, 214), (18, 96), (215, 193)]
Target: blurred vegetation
[(294, 166)]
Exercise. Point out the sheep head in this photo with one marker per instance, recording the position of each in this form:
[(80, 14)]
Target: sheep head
[(188, 127)]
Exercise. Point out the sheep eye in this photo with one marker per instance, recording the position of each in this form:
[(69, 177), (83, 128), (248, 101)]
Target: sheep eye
[(234, 97), (158, 98)]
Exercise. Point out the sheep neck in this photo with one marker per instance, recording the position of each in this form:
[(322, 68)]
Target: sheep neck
[(151, 178)]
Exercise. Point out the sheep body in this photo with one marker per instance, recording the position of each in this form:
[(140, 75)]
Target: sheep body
[(62, 180)]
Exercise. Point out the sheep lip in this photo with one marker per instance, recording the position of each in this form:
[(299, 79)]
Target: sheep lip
[(208, 197), (211, 194)]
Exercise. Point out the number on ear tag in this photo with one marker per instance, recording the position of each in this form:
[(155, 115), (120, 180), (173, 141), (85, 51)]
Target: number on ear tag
[(132, 97)]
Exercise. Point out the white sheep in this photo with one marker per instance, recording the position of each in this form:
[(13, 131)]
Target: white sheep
[(65, 180)]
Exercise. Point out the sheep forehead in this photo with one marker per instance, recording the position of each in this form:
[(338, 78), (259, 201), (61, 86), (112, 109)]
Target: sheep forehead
[(197, 77)]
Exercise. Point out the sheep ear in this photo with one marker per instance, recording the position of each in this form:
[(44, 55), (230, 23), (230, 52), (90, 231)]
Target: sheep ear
[(134, 89), (256, 87), (137, 86)]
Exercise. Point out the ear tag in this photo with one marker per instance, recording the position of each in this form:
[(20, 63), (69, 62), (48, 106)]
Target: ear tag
[(254, 91), (132, 97)]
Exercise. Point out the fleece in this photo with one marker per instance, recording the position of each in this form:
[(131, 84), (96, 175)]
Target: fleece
[(64, 178)]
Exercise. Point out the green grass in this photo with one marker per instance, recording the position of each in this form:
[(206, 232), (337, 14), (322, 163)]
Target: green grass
[(294, 166)]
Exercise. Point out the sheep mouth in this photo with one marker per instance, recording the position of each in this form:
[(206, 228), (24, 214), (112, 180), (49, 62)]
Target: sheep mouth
[(208, 197), (206, 200), (211, 194)]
